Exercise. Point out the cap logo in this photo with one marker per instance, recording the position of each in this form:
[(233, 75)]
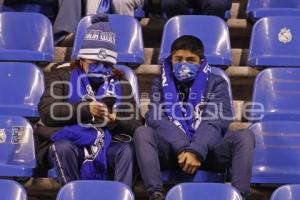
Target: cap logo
[(102, 54)]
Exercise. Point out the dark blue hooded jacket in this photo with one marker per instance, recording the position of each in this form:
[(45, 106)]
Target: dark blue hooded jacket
[(212, 128)]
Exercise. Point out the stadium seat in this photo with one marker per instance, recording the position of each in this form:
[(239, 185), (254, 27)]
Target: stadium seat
[(21, 86), (205, 191), (11, 190), (266, 8), (191, 11), (220, 72), (215, 39), (276, 95), (175, 177), (277, 152), (131, 77), (91, 189), (129, 39), (25, 37), (286, 192), (274, 42), (17, 158), (4, 8)]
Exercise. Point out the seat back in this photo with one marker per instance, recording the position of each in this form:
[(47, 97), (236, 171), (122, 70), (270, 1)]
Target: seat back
[(25, 37), (11, 190), (132, 79), (16, 146), (21, 86), (207, 191), (215, 39), (218, 71), (129, 39), (87, 189), (175, 176), (274, 42), (277, 95), (277, 152), (290, 192), (258, 8)]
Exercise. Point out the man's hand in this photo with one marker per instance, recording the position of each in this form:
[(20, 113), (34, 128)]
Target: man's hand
[(188, 162)]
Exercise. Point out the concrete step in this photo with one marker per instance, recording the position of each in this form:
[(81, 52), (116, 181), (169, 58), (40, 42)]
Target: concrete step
[(238, 10)]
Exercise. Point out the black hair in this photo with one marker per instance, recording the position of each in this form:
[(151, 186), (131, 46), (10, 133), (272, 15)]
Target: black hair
[(188, 42)]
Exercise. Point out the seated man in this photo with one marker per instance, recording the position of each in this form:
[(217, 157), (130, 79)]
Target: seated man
[(87, 114), (187, 123), (196, 7), (68, 15), (122, 7)]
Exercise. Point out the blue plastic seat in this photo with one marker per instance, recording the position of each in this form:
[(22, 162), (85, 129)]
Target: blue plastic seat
[(274, 42), (132, 79), (17, 156), (277, 152), (129, 39), (266, 8), (205, 191), (276, 95), (4, 8), (215, 39), (25, 37), (191, 11), (286, 192), (104, 190), (11, 190), (21, 86), (175, 177), (220, 72)]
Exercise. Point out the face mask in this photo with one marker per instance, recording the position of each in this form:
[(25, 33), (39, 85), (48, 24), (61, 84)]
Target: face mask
[(98, 72), (185, 72)]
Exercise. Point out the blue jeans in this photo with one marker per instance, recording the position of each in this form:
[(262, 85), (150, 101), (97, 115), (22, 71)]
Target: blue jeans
[(200, 7), (120, 157), (235, 151)]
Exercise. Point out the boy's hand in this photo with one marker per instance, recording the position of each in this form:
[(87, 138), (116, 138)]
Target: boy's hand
[(188, 162)]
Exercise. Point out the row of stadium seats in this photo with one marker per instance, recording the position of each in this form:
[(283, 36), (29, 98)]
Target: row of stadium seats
[(275, 126), (108, 190), (265, 8), (278, 91), (28, 37), (23, 100)]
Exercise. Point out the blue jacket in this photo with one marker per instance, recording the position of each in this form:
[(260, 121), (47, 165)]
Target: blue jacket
[(212, 128)]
